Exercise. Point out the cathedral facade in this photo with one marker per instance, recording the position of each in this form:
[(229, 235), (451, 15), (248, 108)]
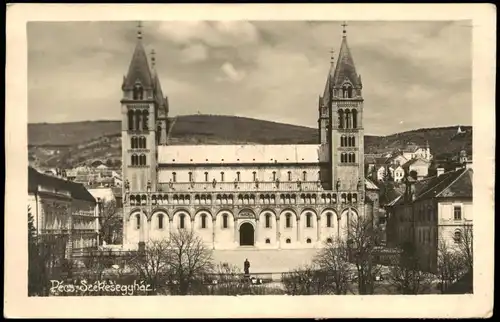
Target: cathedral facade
[(242, 196)]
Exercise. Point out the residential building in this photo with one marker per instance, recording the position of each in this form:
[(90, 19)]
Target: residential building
[(419, 165), (399, 174), (431, 212), (64, 213)]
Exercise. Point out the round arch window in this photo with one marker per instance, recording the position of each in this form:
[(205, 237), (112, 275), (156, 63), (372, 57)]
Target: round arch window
[(308, 240), (268, 241), (288, 241), (329, 240)]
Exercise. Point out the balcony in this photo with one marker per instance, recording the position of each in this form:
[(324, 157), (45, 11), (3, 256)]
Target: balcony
[(243, 186), (311, 193)]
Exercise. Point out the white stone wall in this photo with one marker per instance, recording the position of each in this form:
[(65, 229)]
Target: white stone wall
[(230, 173)]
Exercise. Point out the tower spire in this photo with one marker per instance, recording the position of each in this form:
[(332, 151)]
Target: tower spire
[(344, 32), (153, 58), (138, 69), (139, 30)]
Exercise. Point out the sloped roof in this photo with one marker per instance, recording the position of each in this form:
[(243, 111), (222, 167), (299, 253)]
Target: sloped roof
[(345, 68), (248, 153), (138, 69), (77, 190), (413, 161), (461, 187), (370, 185), (456, 184)]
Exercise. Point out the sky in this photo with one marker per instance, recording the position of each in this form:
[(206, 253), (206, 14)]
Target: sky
[(415, 74)]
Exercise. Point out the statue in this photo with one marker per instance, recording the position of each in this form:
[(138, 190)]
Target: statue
[(214, 182), (236, 183), (359, 184), (148, 187), (256, 183), (246, 267), (127, 185), (338, 184), (277, 183), (170, 184)]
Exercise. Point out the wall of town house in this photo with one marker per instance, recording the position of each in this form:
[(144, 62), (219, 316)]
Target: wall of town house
[(434, 222)]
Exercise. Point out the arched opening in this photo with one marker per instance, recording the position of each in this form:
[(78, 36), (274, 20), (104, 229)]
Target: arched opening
[(247, 234), (308, 240), (268, 241), (138, 92), (130, 120), (160, 221), (145, 117), (268, 221), (354, 119), (341, 119), (137, 120), (347, 119), (158, 135)]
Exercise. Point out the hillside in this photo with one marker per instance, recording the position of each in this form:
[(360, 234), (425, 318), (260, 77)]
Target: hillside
[(69, 144)]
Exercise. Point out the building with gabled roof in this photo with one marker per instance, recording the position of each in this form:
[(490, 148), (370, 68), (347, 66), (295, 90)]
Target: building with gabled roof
[(431, 212), (65, 214), (419, 165)]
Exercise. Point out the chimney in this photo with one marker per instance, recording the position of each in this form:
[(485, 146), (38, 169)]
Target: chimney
[(440, 171)]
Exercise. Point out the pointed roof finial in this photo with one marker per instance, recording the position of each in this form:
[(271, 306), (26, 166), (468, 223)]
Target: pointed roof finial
[(344, 32), (153, 59), (139, 30)]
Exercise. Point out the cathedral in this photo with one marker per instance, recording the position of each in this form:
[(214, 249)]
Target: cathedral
[(242, 196)]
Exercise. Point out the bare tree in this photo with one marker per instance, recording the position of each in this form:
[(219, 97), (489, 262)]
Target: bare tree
[(189, 260), (456, 260), (333, 259), (96, 265), (465, 246), (153, 263), (110, 222), (306, 280), (449, 265), (362, 238), (406, 275), (227, 280), (38, 280)]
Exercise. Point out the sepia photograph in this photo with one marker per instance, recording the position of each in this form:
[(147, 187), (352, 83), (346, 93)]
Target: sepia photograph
[(228, 158)]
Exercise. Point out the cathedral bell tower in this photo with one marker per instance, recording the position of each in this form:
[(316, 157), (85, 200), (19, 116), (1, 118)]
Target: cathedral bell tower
[(341, 126), (139, 123)]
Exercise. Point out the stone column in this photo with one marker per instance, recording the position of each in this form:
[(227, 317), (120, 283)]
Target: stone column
[(170, 225), (213, 233), (236, 239), (256, 235), (318, 226), (278, 237), (298, 228)]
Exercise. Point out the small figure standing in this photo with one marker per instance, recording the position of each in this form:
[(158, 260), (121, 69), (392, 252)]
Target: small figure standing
[(246, 267)]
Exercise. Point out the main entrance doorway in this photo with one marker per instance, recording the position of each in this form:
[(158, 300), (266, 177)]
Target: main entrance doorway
[(246, 234)]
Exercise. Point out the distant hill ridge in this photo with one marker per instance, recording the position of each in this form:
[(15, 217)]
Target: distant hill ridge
[(77, 142)]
